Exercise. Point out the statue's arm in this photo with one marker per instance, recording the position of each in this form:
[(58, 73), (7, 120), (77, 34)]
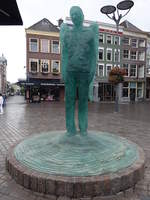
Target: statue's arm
[(64, 55), (94, 55)]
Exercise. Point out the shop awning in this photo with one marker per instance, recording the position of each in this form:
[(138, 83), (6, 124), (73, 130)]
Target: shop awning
[(9, 13), (41, 84)]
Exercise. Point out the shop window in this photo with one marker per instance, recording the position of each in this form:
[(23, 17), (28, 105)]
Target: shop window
[(126, 41), (101, 38), (126, 54), (139, 90), (141, 71), (55, 47), (100, 70), (134, 42), (125, 90), (109, 39), (33, 65), (55, 67), (109, 54), (126, 67), (133, 69), (133, 55), (33, 44), (101, 54), (44, 45), (44, 66)]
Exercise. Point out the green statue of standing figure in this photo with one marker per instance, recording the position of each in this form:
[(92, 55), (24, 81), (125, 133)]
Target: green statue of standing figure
[(79, 50)]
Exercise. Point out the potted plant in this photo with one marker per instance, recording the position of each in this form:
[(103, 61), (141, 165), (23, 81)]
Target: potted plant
[(116, 75)]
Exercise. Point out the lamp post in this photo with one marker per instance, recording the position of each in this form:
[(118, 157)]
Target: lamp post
[(113, 13)]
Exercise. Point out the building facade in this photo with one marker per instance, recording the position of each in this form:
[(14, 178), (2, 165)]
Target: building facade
[(129, 49), (109, 55), (134, 44), (3, 75), (43, 62), (148, 68)]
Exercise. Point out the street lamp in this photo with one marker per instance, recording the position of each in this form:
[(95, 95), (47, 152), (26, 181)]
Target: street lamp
[(113, 13)]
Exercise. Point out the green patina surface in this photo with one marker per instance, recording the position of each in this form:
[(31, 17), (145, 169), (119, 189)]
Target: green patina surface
[(94, 154), (79, 51)]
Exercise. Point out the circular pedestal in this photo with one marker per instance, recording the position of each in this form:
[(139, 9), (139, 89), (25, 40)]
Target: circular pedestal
[(98, 164)]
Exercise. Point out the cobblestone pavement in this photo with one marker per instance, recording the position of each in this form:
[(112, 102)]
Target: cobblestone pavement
[(20, 120)]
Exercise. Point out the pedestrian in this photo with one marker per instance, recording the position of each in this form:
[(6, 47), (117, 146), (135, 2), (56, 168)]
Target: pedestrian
[(4, 100), (1, 104)]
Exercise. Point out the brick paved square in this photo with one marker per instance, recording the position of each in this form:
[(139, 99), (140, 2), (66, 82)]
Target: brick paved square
[(20, 120)]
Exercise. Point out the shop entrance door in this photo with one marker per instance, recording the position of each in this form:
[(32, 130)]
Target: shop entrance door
[(106, 92), (132, 94)]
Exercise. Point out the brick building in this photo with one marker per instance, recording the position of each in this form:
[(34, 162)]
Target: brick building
[(43, 62), (134, 46)]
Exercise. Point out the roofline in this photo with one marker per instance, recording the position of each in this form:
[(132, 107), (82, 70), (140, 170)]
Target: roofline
[(36, 32), (98, 22)]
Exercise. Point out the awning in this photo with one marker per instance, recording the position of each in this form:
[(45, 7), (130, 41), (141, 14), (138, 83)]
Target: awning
[(9, 13), (41, 84)]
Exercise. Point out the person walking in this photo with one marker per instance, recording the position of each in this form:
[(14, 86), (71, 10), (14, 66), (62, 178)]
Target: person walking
[(1, 104)]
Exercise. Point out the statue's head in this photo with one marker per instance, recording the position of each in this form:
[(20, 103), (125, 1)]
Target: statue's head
[(76, 15)]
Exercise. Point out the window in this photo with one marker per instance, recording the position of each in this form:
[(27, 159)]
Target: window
[(125, 90), (108, 68), (133, 55), (55, 67), (109, 39), (33, 45), (55, 46), (134, 42), (148, 70), (33, 63), (44, 66), (126, 54), (141, 43), (126, 41), (116, 40), (44, 45), (101, 38), (141, 55), (139, 90), (117, 55), (141, 71), (101, 54), (126, 67), (100, 70), (109, 54), (133, 70)]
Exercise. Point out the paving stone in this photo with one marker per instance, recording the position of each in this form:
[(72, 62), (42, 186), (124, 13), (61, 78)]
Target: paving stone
[(27, 120)]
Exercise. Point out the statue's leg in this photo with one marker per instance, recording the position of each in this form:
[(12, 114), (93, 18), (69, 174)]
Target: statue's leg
[(83, 88), (70, 98)]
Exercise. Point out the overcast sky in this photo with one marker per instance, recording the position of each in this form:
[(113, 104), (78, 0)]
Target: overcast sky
[(12, 38)]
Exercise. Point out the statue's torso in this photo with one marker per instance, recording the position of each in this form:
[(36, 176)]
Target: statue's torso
[(79, 48)]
